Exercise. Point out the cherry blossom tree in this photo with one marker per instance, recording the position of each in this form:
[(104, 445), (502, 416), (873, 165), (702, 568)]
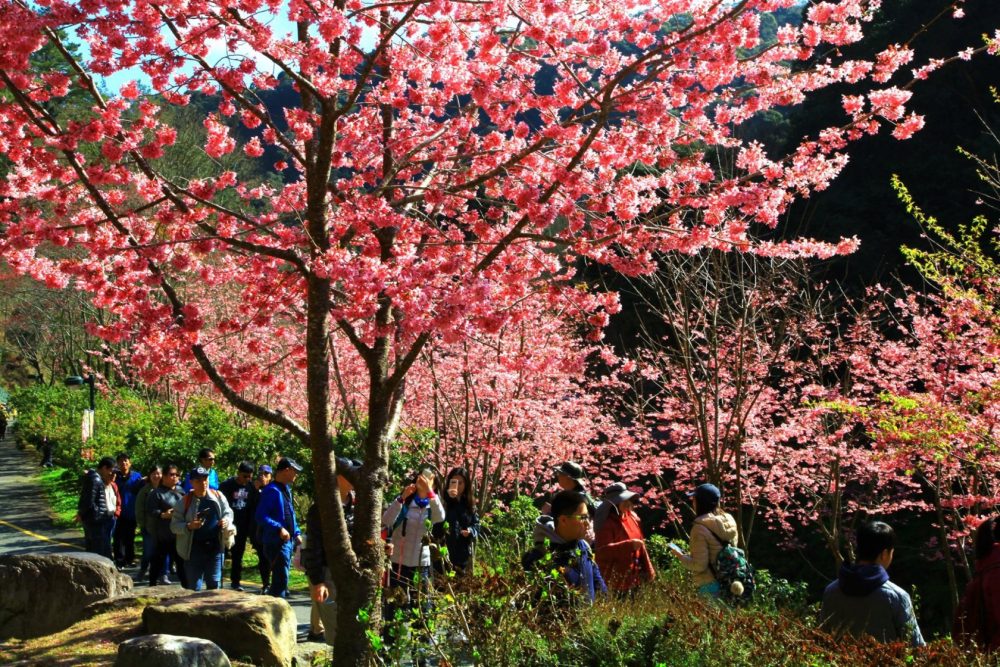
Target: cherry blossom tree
[(734, 363), (512, 404), (441, 163), (929, 403)]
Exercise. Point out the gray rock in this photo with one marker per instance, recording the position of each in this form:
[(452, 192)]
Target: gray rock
[(170, 651), (137, 597), (312, 654), (258, 627), (45, 593)]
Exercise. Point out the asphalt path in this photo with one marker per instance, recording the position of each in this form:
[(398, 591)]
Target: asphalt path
[(25, 516), (26, 521)]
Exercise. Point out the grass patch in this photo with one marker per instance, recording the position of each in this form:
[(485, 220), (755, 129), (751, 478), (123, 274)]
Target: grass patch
[(297, 580), (62, 490), (91, 642)]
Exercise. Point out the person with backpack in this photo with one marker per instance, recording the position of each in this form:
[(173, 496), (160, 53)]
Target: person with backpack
[(200, 523), (460, 528), (977, 618), (862, 600), (620, 547), (714, 530), (408, 538), (563, 534)]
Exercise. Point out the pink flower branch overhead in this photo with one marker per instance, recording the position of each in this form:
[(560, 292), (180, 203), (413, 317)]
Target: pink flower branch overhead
[(437, 164)]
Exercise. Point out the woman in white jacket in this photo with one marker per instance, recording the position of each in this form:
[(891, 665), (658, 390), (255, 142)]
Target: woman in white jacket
[(713, 529), (408, 522)]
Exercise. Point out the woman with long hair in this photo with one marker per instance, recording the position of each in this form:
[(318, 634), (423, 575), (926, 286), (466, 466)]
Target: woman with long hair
[(461, 522)]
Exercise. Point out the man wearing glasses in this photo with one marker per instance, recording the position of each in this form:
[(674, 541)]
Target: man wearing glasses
[(236, 491), (563, 534), (206, 460)]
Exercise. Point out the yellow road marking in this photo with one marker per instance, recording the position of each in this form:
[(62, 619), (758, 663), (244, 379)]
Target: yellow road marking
[(37, 536)]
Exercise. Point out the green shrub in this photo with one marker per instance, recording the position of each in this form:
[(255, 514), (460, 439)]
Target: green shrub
[(506, 534)]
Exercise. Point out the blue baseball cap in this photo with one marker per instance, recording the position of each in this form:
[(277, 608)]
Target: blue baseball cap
[(706, 494)]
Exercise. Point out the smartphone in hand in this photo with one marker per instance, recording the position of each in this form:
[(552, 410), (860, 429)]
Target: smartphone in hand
[(676, 549)]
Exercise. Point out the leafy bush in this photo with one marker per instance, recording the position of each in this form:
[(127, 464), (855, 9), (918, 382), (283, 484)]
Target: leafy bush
[(151, 432), (506, 534)]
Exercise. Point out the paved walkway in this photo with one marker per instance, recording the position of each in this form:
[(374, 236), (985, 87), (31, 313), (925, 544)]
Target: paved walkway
[(25, 519)]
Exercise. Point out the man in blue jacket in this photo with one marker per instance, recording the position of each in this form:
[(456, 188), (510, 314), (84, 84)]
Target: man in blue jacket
[(280, 533), (206, 460), (862, 601), (129, 482)]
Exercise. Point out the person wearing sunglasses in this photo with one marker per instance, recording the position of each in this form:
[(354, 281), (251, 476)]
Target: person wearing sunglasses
[(159, 507), (563, 534), (206, 460)]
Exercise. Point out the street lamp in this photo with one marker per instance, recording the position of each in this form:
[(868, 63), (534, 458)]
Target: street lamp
[(76, 381)]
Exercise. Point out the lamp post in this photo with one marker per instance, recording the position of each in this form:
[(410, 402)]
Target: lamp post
[(76, 381)]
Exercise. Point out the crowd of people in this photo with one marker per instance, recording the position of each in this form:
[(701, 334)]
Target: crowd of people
[(596, 546)]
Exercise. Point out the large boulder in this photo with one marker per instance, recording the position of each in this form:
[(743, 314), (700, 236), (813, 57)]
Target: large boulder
[(45, 593), (170, 651), (137, 597), (260, 628)]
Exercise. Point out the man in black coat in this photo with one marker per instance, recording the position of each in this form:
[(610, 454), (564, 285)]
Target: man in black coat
[(237, 491), (97, 507), (323, 619), (160, 505)]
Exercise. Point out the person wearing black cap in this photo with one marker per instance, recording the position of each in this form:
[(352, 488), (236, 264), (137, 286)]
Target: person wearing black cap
[(280, 533), (570, 476), (620, 547), (323, 619), (200, 527), (98, 506), (236, 490), (713, 530)]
